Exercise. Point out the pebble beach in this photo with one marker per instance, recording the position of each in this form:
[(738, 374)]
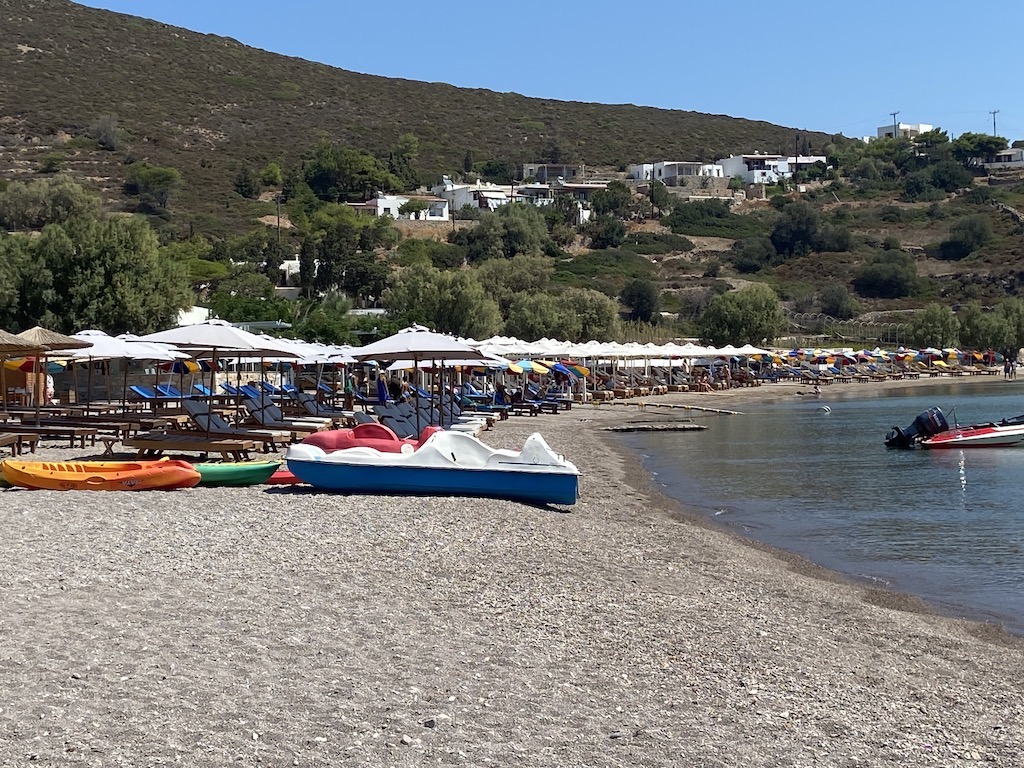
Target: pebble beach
[(280, 626)]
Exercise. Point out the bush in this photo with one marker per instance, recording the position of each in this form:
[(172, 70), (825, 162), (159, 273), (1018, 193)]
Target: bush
[(711, 218), (838, 302), (891, 275), (752, 254), (656, 244)]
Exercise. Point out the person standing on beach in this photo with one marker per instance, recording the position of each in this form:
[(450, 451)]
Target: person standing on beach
[(350, 390)]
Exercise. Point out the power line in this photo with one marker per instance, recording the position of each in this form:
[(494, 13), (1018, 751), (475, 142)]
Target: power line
[(895, 130)]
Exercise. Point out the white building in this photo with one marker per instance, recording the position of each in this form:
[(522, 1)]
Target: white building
[(905, 130), (671, 172), (391, 205), (756, 168), (482, 195), (766, 169), (1007, 159)]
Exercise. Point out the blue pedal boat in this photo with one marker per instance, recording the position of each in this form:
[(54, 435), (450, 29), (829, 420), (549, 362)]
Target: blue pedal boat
[(446, 464)]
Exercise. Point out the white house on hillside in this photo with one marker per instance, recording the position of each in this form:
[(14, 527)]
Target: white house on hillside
[(766, 169), (483, 195), (905, 130), (672, 172), (390, 205), (1007, 159)]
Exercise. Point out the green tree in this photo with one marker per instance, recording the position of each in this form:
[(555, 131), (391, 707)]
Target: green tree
[(271, 175), (643, 299), (153, 184), (540, 315), (36, 203), (247, 183), (606, 231), (752, 315), (412, 208), (427, 251), (979, 329), (109, 274), (52, 163), (837, 301), (512, 230), (340, 174), (889, 275), (325, 320), (504, 279), (950, 176), (598, 314), (615, 200), (796, 231), (498, 171), (401, 159), (661, 198), (450, 301), (934, 326), (977, 146), (752, 254)]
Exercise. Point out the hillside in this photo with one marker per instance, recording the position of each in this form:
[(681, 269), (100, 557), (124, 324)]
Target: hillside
[(206, 105)]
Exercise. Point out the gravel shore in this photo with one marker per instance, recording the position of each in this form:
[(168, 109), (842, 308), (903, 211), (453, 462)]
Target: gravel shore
[(284, 627)]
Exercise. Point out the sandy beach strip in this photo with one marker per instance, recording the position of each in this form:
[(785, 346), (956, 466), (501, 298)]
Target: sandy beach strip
[(287, 627)]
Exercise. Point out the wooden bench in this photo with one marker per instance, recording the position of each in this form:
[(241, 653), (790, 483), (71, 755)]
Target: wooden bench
[(18, 442)]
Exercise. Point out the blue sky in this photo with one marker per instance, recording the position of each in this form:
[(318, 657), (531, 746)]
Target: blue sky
[(838, 68)]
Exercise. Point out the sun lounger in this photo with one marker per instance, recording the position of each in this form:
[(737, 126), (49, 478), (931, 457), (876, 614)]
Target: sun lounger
[(208, 422), (313, 408), (267, 414)]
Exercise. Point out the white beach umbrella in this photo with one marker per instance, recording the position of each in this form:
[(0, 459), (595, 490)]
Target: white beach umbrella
[(106, 347), (416, 344)]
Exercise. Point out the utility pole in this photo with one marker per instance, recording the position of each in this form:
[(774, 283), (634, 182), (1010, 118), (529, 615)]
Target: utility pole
[(993, 112), (894, 128)]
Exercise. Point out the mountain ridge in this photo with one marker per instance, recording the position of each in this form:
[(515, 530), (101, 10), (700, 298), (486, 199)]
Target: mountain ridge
[(182, 95)]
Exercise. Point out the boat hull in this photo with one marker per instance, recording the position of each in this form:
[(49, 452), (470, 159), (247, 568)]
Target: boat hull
[(532, 487), (446, 464), (164, 474), (993, 436), (236, 473)]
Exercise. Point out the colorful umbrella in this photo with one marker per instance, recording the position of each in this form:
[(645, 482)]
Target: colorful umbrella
[(27, 364), (527, 366)]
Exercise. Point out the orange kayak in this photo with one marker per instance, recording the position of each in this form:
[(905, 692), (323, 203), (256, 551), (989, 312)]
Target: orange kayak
[(163, 474)]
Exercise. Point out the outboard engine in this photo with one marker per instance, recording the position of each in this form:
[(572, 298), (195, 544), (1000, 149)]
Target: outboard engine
[(929, 423)]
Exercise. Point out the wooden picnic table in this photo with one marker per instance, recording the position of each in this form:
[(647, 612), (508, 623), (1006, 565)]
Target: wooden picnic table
[(72, 433), (156, 444)]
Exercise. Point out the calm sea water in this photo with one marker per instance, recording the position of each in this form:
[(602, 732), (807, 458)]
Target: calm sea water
[(945, 525)]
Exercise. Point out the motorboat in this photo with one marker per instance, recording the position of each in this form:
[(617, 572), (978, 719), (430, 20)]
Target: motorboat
[(163, 474), (931, 430), (1003, 434), (446, 464)]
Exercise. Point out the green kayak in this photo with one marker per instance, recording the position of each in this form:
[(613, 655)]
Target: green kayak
[(236, 472)]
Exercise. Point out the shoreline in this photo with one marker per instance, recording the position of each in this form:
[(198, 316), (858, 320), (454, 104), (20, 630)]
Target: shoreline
[(226, 625), (884, 596)]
